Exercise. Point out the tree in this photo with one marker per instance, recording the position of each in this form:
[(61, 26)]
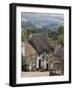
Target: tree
[(23, 35), (61, 35), (24, 64), (61, 30)]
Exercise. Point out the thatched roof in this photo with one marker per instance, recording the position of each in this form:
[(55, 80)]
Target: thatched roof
[(59, 51), (39, 41), (58, 54), (29, 50)]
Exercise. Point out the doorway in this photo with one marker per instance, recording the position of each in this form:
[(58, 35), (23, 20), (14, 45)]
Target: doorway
[(39, 63), (46, 66)]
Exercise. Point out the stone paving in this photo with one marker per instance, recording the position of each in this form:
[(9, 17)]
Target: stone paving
[(34, 74)]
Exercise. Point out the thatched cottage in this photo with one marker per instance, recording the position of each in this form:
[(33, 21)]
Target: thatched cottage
[(36, 51), (59, 59), (57, 62)]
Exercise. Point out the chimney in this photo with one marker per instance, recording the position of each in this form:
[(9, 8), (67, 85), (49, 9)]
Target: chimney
[(29, 33)]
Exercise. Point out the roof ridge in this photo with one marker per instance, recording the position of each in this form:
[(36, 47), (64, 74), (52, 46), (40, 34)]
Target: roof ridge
[(38, 33)]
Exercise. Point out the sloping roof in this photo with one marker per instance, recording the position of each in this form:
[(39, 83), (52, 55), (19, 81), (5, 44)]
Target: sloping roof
[(40, 42), (59, 51), (22, 44), (59, 54), (29, 50)]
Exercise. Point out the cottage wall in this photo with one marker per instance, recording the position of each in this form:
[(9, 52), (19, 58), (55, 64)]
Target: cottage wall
[(44, 60), (38, 58), (23, 50)]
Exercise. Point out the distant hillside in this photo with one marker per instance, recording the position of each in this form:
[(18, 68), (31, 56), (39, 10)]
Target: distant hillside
[(41, 20)]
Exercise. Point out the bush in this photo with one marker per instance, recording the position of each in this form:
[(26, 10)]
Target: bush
[(24, 64)]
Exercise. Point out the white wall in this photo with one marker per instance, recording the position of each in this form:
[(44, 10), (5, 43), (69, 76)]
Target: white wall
[(23, 51), (4, 44), (38, 57)]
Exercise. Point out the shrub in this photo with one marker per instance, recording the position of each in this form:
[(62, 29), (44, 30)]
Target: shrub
[(24, 64)]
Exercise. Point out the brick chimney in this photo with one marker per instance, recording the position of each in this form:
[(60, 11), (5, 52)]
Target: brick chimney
[(29, 33)]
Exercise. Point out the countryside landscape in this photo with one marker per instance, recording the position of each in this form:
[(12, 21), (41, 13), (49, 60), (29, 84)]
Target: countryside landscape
[(42, 44)]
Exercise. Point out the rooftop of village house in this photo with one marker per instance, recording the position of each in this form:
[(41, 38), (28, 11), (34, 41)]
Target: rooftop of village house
[(39, 41)]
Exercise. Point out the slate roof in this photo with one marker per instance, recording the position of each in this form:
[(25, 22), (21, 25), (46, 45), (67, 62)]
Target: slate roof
[(39, 41)]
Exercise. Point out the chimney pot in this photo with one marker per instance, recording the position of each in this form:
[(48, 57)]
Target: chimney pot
[(29, 33)]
